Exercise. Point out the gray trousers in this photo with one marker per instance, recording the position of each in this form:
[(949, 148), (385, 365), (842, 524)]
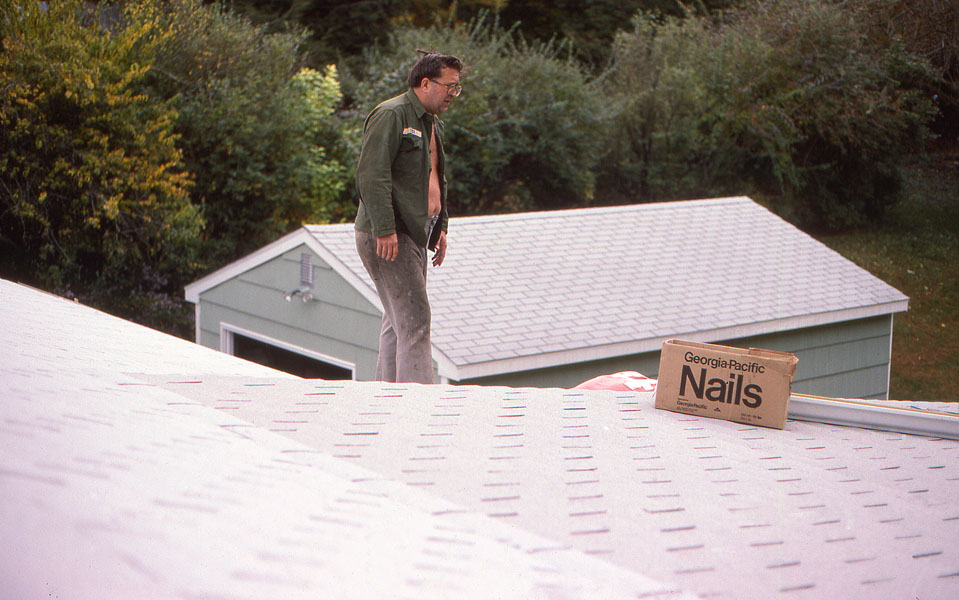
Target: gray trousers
[(405, 353)]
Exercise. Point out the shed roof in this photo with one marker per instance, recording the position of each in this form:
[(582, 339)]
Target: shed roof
[(135, 464), (541, 289)]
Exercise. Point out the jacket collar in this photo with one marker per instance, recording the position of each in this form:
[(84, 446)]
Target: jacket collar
[(417, 105)]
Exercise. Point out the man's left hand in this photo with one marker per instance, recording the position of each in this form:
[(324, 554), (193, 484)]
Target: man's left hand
[(440, 252)]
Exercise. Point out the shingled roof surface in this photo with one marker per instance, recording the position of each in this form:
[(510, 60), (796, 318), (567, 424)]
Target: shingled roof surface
[(591, 283), (134, 464)]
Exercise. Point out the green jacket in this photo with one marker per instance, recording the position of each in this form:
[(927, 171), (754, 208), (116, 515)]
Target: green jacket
[(392, 176)]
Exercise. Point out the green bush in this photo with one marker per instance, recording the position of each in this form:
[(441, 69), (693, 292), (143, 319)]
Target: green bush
[(860, 106), (790, 99), (328, 199), (93, 197), (655, 99), (256, 130), (523, 134), (930, 29)]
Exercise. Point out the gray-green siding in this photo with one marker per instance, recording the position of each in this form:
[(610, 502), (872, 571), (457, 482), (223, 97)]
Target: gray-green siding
[(844, 360), (339, 322)]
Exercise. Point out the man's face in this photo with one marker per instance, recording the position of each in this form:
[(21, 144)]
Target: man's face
[(437, 96)]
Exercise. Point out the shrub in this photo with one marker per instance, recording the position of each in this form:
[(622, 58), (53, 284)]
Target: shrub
[(790, 99), (256, 130), (327, 155), (93, 195), (860, 107), (656, 98), (930, 29)]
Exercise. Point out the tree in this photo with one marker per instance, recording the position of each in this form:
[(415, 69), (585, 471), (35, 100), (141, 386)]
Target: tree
[(790, 99), (327, 154), (256, 130), (655, 98), (339, 31), (93, 194), (930, 29)]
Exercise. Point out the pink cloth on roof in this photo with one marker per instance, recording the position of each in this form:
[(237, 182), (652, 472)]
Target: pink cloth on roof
[(624, 381)]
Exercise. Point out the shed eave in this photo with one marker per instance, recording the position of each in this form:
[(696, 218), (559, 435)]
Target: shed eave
[(614, 350), (250, 261)]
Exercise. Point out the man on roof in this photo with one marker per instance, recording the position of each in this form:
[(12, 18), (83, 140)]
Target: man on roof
[(401, 182)]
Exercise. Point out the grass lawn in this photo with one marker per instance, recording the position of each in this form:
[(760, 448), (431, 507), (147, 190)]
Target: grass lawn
[(916, 250)]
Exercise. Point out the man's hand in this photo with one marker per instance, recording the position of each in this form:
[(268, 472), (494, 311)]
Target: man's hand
[(440, 252), (387, 246)]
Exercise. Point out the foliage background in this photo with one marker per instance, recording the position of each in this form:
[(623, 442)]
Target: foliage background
[(255, 126), (794, 101), (94, 198)]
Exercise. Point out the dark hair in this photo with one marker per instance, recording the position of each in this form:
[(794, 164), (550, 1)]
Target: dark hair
[(429, 66)]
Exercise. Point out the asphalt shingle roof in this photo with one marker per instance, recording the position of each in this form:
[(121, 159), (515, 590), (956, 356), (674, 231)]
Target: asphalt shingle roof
[(597, 282), (138, 465)]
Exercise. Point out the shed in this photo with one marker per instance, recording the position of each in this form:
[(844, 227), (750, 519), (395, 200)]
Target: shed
[(550, 299)]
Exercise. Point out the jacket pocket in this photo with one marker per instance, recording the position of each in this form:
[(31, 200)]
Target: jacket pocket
[(409, 143)]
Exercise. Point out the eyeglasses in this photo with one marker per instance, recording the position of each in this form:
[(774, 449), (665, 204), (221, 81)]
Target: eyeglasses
[(453, 88)]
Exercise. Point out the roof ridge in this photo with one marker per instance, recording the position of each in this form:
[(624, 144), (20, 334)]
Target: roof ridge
[(565, 212)]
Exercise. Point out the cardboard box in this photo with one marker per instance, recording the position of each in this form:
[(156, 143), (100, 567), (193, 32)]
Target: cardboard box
[(746, 386)]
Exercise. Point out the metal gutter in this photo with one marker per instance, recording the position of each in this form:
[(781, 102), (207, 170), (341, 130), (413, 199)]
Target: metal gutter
[(860, 413)]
